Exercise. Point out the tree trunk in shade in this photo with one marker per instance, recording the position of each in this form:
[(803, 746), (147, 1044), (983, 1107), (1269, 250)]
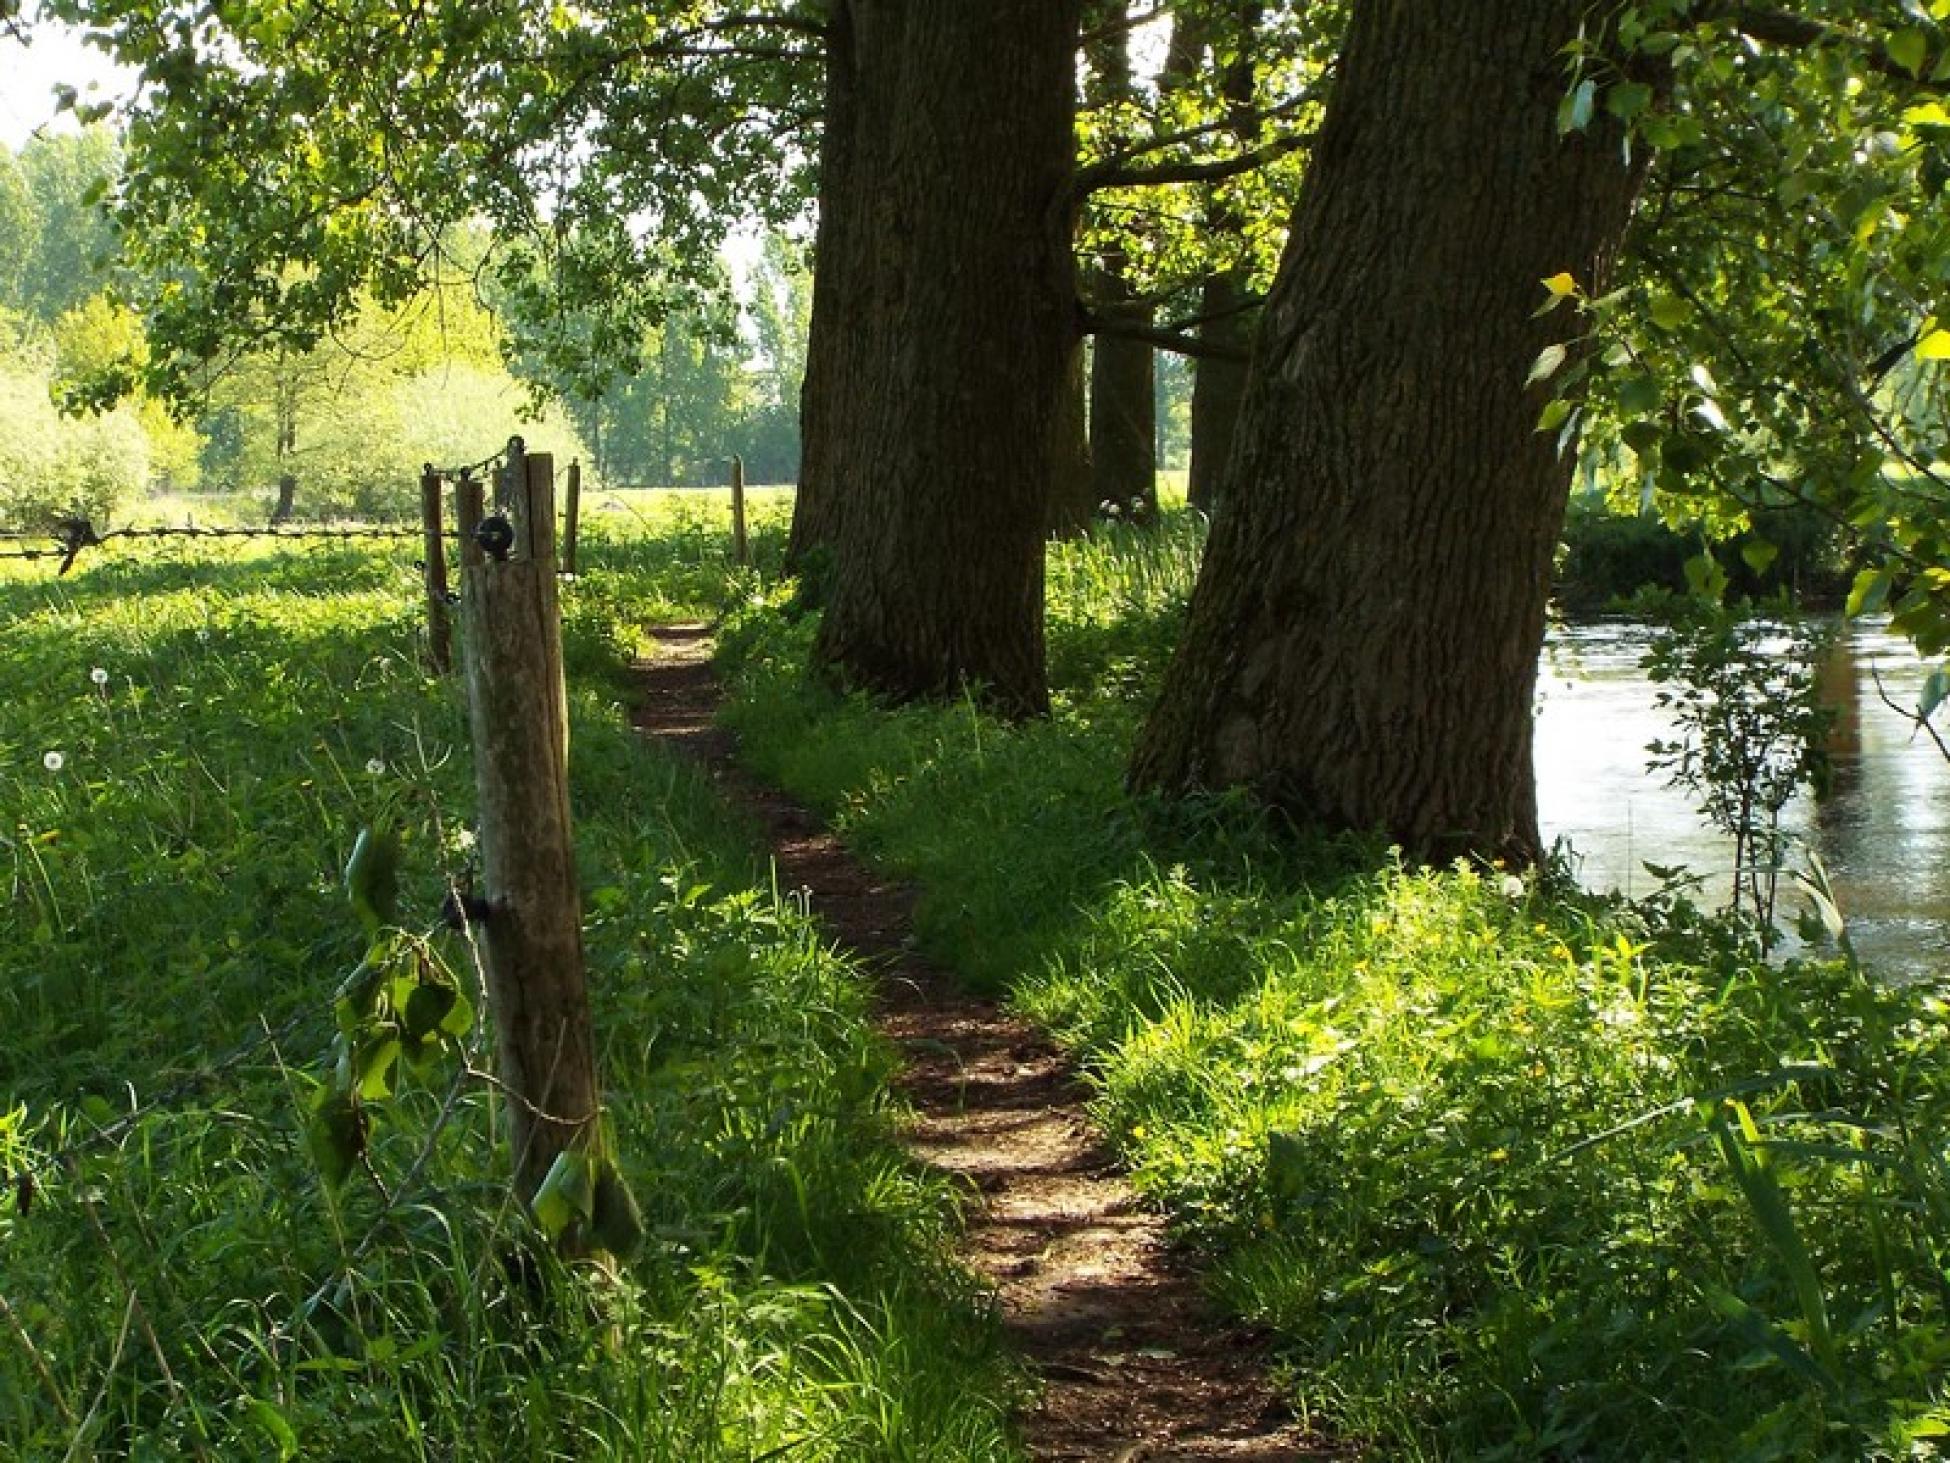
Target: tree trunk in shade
[(935, 414), (1363, 640)]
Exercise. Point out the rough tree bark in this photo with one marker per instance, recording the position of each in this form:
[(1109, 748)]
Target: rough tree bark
[(1363, 639), (1072, 503), (961, 309), (1123, 398), (847, 146), (1219, 385)]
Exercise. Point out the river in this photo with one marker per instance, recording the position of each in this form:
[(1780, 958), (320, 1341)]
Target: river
[(1883, 830)]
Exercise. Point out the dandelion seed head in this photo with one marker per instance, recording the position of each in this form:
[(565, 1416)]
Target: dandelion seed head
[(376, 766), (55, 761), (99, 675)]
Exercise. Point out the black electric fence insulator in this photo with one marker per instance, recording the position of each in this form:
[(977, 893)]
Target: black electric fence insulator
[(460, 910), (495, 536)]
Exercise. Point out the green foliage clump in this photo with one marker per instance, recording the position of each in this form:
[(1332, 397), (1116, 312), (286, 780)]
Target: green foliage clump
[(53, 467), (174, 941)]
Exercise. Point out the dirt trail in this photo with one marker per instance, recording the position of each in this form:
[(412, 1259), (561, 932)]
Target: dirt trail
[(1135, 1365)]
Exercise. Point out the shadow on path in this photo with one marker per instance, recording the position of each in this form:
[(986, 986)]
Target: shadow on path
[(1134, 1362)]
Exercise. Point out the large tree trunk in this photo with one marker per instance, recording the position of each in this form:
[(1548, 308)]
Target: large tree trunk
[(1363, 640), (847, 156), (1123, 399), (1072, 503), (1219, 385), (961, 306)]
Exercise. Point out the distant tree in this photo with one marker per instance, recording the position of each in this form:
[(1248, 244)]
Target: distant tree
[(20, 231), (67, 175)]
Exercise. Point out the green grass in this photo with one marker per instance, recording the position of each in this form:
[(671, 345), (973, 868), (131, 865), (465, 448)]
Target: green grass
[(1474, 1148), (185, 1285)]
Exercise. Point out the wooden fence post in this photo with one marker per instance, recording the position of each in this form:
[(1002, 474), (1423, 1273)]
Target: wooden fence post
[(531, 932), (440, 634), (741, 548), (571, 518), (511, 479)]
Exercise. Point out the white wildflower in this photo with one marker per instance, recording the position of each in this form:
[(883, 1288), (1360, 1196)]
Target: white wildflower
[(1510, 886), (54, 761), (376, 766)]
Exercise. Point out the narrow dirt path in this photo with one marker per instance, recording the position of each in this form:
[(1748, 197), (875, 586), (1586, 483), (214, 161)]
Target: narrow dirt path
[(1134, 1363)]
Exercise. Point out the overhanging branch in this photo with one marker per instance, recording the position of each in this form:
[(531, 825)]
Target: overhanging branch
[(1163, 337), (1101, 176), (1783, 28)]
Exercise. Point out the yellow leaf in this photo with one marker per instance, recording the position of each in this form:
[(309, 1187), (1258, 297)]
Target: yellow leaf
[(1934, 347), (1561, 285)]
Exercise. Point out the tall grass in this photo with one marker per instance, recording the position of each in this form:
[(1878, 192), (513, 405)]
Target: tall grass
[(1511, 1172), (177, 1280)]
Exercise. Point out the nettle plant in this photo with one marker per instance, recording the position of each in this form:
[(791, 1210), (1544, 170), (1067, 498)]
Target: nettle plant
[(1751, 732)]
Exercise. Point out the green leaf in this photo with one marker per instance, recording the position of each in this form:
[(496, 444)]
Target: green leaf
[(566, 1195), (1638, 394), (372, 877), (275, 1425), (617, 1221), (372, 1068), (1626, 100), (1759, 554), (1870, 591), (1705, 578), (1574, 112), (459, 1020), (1909, 48), (1669, 312), (1936, 688), (1775, 1221), (428, 1007), (336, 1135), (1549, 359), (1553, 415), (1643, 437)]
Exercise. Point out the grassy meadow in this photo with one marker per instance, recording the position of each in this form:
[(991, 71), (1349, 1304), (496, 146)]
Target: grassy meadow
[(1506, 1170), (191, 737), (1509, 1171)]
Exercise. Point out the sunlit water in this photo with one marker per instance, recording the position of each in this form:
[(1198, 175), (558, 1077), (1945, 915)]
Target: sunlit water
[(1883, 830)]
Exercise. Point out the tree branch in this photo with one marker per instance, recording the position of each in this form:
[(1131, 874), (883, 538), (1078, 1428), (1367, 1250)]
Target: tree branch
[(1100, 176), (1783, 28), (1126, 23), (803, 25), (1163, 337)]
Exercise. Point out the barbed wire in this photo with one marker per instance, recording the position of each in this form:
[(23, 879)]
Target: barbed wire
[(24, 1181), (79, 534), (70, 536)]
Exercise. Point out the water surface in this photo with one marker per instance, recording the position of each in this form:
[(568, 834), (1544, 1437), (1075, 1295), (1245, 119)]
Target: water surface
[(1883, 830)]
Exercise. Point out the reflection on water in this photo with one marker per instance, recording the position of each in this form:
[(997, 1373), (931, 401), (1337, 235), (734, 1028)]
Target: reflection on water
[(1883, 830)]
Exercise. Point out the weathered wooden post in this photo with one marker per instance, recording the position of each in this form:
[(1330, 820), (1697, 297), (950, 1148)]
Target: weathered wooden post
[(571, 518), (741, 548), (510, 479), (531, 931), (440, 634)]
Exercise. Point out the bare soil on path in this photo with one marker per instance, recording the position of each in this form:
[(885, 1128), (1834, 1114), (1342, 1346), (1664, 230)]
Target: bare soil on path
[(1134, 1363)]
